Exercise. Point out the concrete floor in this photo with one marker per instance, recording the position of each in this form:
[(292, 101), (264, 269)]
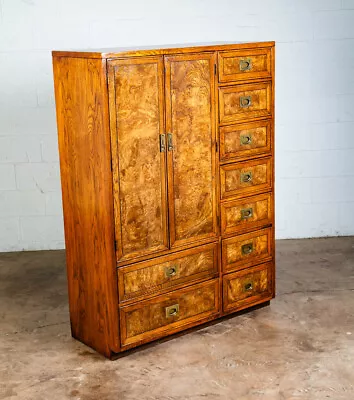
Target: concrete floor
[(300, 347)]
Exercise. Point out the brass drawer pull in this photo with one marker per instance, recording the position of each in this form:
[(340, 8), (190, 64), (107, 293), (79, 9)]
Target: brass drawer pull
[(247, 248), (171, 271), (245, 139), (162, 143), (245, 64), (172, 311), (245, 101), (246, 177), (246, 213), (169, 142), (248, 286)]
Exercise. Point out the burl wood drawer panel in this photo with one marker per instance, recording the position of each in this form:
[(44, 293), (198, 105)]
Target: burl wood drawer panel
[(246, 214), (245, 140), (242, 102), (247, 287), (244, 64), (240, 179), (243, 251), (168, 272), (164, 315)]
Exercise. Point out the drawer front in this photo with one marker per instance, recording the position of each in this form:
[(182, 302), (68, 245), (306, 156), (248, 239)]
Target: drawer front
[(248, 287), (166, 273), (246, 214), (240, 179), (244, 64), (242, 102), (245, 140), (243, 251), (164, 315)]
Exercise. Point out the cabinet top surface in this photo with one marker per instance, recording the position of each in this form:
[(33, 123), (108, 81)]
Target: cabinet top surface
[(159, 49)]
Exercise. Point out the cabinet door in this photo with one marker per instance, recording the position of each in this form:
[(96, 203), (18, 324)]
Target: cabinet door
[(139, 165), (190, 127)]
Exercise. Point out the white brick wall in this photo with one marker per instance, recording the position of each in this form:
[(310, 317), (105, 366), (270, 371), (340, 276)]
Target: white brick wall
[(314, 99)]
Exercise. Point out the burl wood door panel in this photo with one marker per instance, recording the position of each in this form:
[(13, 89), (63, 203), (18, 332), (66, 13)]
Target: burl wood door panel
[(190, 118), (243, 251), (242, 102), (164, 315), (245, 140), (247, 287), (139, 167), (246, 214), (166, 273), (244, 64), (250, 177)]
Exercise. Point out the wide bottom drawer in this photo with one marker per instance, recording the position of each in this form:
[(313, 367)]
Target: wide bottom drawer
[(247, 287), (165, 315)]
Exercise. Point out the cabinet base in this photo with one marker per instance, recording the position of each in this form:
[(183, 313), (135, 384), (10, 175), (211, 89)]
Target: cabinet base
[(124, 353)]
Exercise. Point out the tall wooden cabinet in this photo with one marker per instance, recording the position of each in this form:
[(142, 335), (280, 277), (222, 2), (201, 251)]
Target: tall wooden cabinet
[(167, 159)]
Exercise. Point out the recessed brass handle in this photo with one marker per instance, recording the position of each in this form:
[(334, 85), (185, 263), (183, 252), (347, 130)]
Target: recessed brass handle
[(245, 101), (162, 143), (247, 248), (171, 271), (169, 142), (248, 286), (172, 311), (246, 177), (246, 139), (246, 213), (245, 64)]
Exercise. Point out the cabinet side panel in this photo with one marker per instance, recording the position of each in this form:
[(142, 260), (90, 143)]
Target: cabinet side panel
[(86, 178)]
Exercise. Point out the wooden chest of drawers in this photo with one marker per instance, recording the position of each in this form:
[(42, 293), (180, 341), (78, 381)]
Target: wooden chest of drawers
[(167, 171)]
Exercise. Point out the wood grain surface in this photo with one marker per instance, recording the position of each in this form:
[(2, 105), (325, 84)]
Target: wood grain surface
[(247, 287), (137, 120), (143, 51), (243, 251), (147, 320), (190, 118), (245, 140), (249, 177), (86, 179), (166, 273), (230, 110), (231, 64), (261, 214)]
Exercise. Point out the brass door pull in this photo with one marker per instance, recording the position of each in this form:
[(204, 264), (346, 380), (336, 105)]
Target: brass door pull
[(171, 271), (169, 142), (248, 286), (246, 213), (245, 101), (246, 177), (247, 248), (162, 143), (172, 311), (245, 64), (245, 139)]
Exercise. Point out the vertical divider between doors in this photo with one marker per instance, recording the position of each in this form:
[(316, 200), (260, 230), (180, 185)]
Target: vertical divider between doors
[(169, 154), (164, 98)]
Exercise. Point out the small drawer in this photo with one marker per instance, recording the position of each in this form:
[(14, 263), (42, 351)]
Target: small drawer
[(243, 251), (167, 273), (164, 315), (248, 287), (240, 179), (244, 64), (243, 102), (246, 214), (245, 140)]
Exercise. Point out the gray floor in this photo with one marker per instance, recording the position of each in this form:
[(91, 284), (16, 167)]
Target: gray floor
[(300, 347)]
